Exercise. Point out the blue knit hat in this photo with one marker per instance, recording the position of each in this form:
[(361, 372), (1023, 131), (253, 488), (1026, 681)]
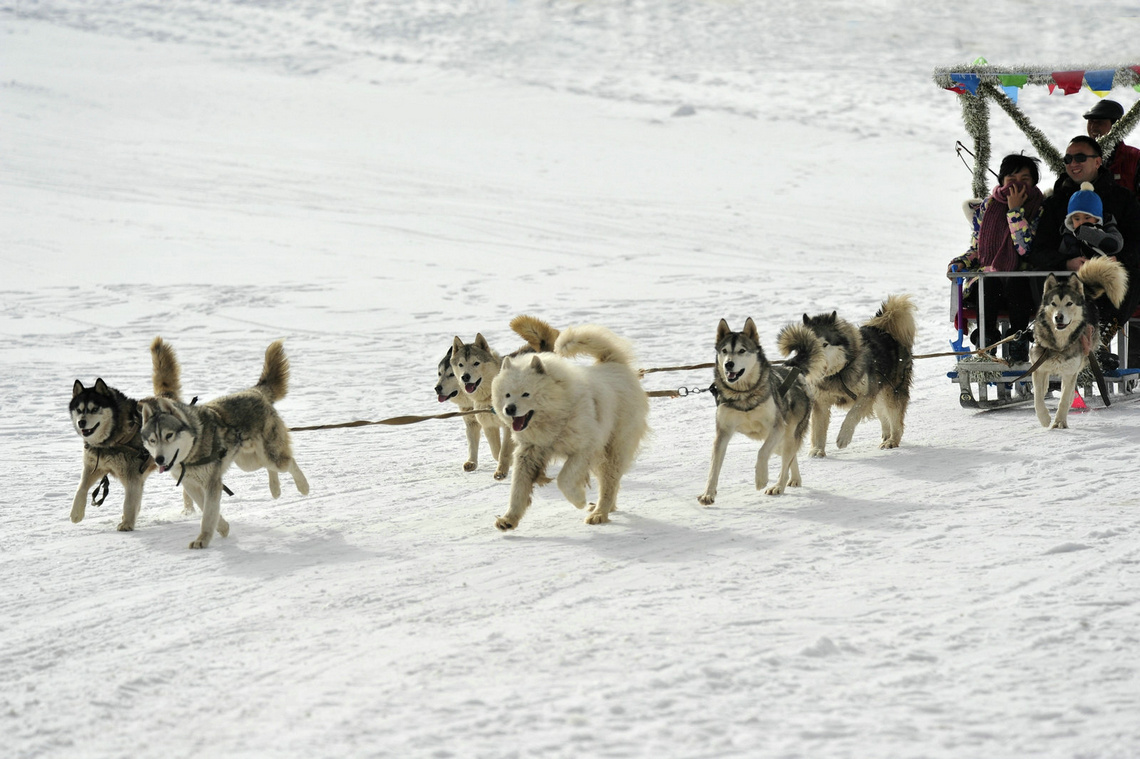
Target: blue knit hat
[(1087, 201)]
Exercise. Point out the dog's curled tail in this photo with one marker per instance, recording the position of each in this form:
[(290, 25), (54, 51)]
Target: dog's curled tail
[(1103, 276), (801, 340), (896, 318), (537, 333), (274, 382), (167, 375), (596, 341)]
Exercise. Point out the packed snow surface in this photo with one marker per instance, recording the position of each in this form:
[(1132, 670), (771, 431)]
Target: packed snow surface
[(369, 180)]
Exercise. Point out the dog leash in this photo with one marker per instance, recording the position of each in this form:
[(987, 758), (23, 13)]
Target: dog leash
[(395, 420)]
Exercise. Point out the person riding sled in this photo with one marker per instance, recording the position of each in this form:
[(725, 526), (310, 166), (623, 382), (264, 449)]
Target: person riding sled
[(1004, 225)]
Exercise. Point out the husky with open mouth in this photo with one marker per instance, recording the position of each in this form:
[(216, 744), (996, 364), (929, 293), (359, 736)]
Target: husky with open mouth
[(108, 423), (1067, 330), (198, 443), (592, 416), (472, 368)]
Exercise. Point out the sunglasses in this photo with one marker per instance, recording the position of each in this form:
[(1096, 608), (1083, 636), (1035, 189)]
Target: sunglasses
[(1077, 158)]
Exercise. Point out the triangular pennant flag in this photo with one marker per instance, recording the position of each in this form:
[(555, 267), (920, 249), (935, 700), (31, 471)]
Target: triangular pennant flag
[(1051, 88), (969, 81), (1100, 81), (1011, 92), (958, 89), (1069, 81), (980, 61), (1013, 80), (1078, 402)]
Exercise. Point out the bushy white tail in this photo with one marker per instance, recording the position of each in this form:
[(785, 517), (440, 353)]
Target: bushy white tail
[(596, 341)]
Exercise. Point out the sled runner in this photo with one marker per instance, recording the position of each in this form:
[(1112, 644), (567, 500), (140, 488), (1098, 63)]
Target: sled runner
[(990, 379)]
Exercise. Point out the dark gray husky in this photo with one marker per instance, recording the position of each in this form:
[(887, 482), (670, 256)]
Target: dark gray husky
[(108, 422), (762, 401)]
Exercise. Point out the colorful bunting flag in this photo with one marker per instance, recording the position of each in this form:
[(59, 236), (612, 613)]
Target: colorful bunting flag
[(1100, 82), (1069, 81), (1013, 80), (1011, 92), (969, 81)]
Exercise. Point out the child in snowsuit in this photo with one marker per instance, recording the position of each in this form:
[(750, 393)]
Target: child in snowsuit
[(1087, 233)]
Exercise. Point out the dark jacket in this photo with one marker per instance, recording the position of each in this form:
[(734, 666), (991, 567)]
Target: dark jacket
[(1119, 204)]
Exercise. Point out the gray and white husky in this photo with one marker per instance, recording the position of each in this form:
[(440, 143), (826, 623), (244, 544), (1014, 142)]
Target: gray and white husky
[(473, 367), (108, 422), (762, 401), (198, 443), (1067, 329), (869, 371)]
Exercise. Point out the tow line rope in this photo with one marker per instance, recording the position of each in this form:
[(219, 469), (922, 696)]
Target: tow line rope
[(681, 392)]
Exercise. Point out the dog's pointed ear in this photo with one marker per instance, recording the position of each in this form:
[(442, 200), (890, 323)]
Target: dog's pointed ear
[(750, 330), (481, 342), (536, 365), (101, 387), (146, 411), (722, 329), (807, 319), (77, 388), (834, 316), (447, 358), (456, 346), (506, 364), (1077, 284), (1050, 281)]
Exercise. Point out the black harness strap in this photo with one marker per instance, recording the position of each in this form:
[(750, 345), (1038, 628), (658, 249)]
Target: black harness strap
[(786, 385), (96, 499), (214, 456)]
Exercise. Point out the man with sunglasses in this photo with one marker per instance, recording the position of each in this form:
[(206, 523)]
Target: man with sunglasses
[(1083, 161)]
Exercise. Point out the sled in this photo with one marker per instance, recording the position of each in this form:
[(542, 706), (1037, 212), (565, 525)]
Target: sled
[(991, 380)]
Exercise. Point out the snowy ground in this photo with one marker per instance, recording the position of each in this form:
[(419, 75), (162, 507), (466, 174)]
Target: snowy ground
[(367, 182)]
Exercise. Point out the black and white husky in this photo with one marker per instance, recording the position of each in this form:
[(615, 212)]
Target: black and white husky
[(762, 401), (108, 423), (1067, 330), (869, 372), (198, 443)]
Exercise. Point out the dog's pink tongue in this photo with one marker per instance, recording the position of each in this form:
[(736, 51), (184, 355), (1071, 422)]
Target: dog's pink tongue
[(469, 387), (518, 423), (442, 398)]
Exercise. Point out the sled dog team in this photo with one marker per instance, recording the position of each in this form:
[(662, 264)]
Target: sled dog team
[(541, 406)]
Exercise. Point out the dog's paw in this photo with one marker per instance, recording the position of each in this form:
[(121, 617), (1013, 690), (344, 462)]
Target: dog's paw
[(818, 453), (774, 490), (1059, 424), (201, 541), (78, 512), (706, 499), (470, 466), (886, 445), (597, 517), (842, 441), (794, 482), (501, 475), (126, 526), (223, 528), (503, 524)]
